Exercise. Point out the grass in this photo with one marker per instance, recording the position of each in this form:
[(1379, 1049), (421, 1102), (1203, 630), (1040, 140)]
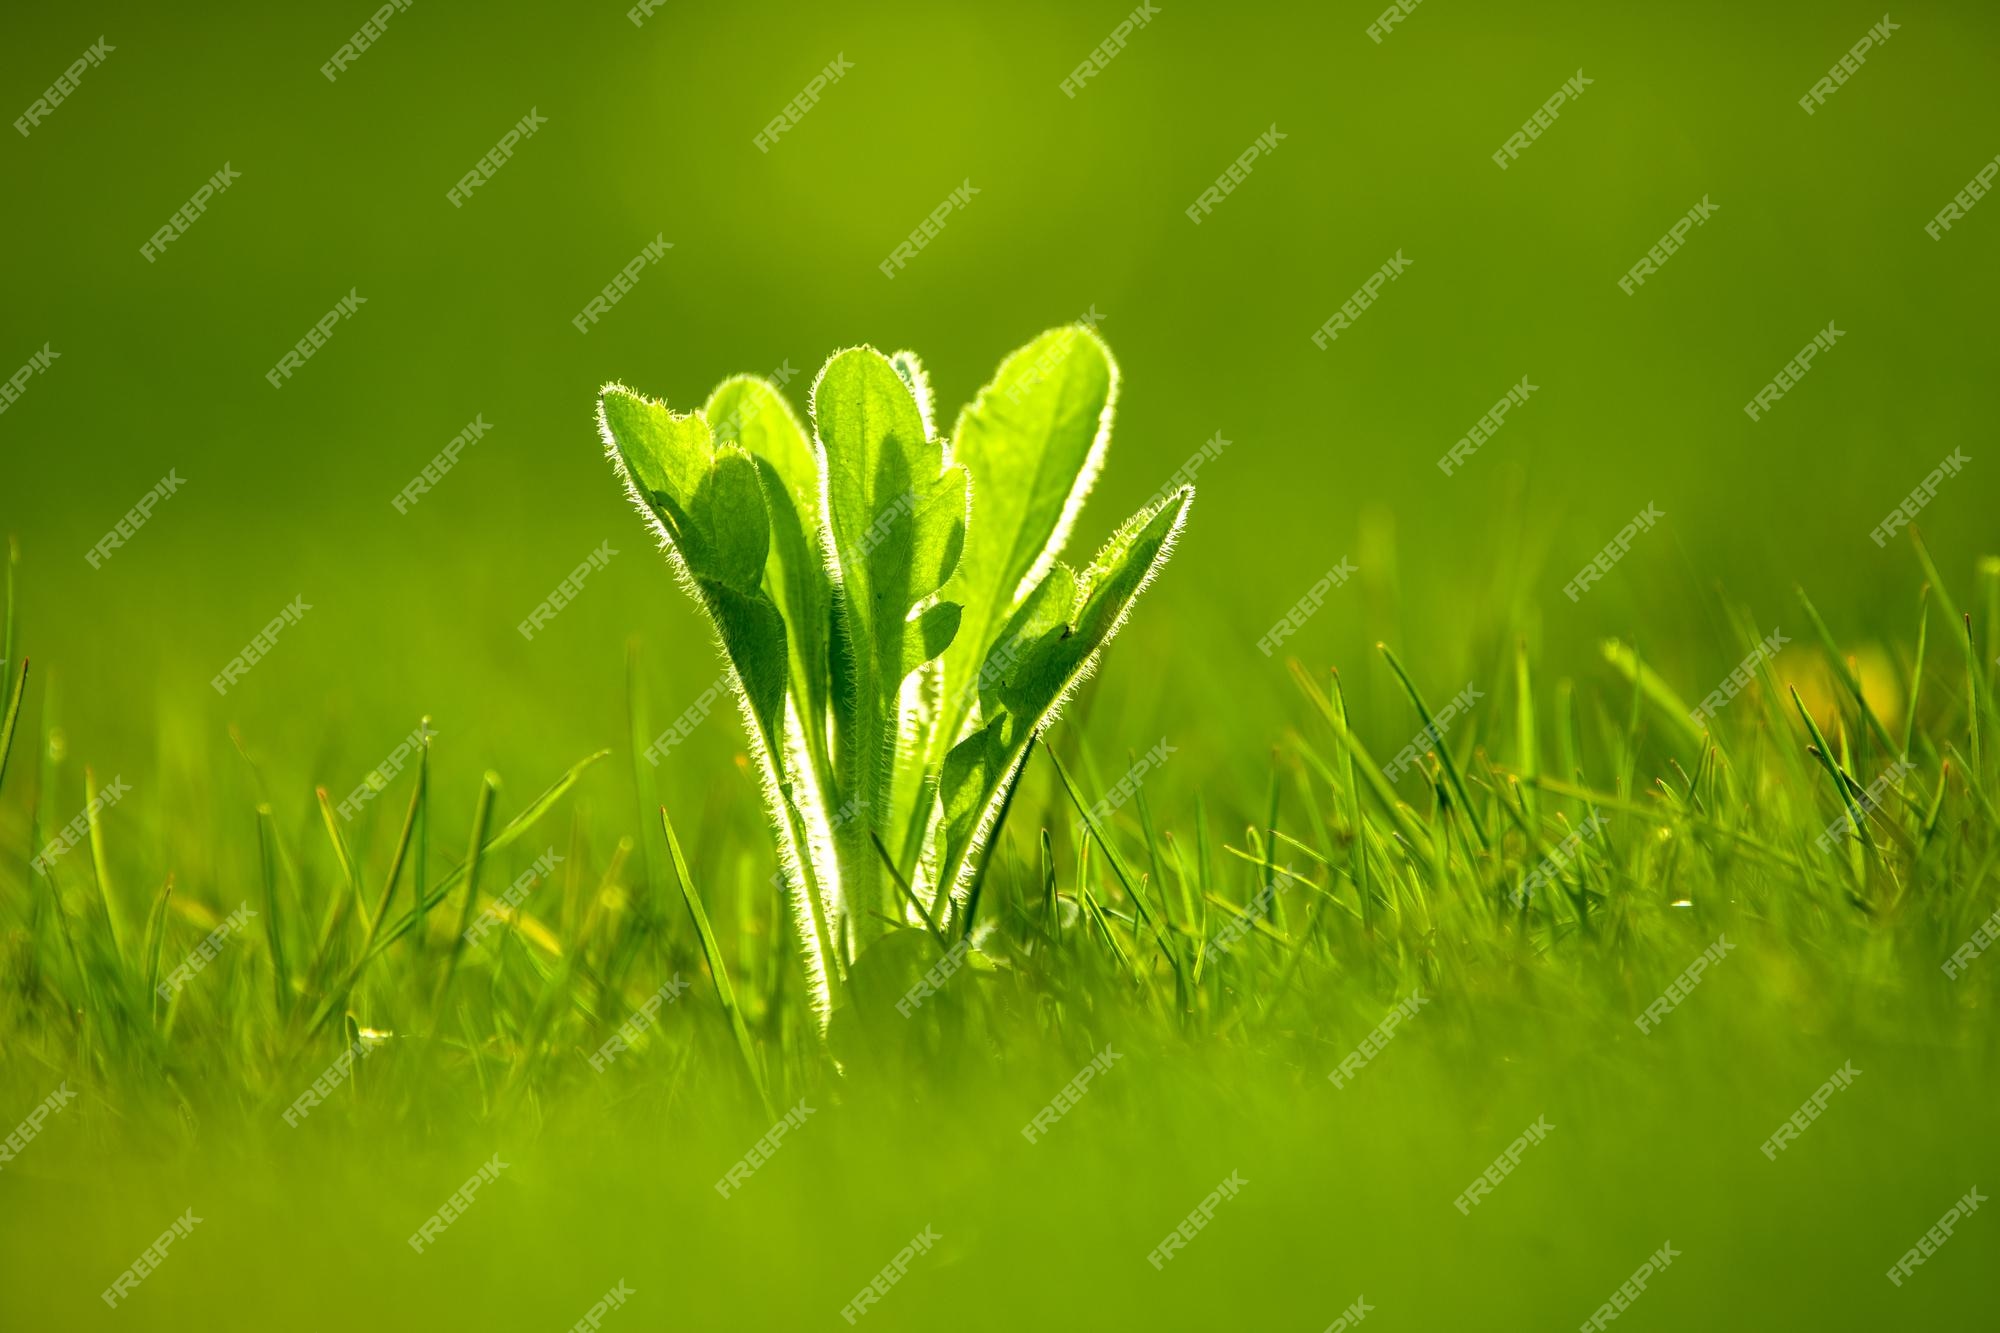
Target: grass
[(1147, 931)]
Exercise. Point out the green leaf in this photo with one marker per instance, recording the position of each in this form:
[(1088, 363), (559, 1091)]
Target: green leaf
[(662, 456), (1031, 442), (710, 504), (752, 414), (897, 516), (853, 593), (935, 627), (753, 634), (731, 529), (1044, 651)]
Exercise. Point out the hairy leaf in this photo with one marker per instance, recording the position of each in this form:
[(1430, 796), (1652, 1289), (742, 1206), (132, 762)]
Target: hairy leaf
[(856, 596), (1045, 649), (1032, 442), (709, 503), (752, 414)]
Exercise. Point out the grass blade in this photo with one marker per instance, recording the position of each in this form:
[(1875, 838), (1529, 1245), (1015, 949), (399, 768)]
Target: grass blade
[(718, 971), (475, 858), (13, 716), (274, 921), (1456, 778), (1845, 672), (1917, 671), (101, 869)]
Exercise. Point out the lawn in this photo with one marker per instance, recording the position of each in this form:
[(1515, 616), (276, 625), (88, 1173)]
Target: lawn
[(1481, 809)]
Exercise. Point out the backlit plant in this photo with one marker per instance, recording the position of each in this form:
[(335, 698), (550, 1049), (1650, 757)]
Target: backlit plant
[(897, 623)]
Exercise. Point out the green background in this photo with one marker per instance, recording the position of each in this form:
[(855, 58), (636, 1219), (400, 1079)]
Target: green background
[(1333, 455), (1080, 206)]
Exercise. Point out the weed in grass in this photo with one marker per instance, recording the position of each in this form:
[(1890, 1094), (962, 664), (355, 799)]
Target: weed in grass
[(862, 578), (1395, 948)]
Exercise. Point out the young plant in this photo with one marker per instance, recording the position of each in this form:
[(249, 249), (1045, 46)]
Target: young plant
[(891, 605)]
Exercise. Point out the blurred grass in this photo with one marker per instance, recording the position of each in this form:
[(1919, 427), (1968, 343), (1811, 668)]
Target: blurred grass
[(1145, 934), (1331, 456), (1332, 452)]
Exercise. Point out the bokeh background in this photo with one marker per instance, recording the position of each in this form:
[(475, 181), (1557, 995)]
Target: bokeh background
[(1332, 456), (1080, 207)]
